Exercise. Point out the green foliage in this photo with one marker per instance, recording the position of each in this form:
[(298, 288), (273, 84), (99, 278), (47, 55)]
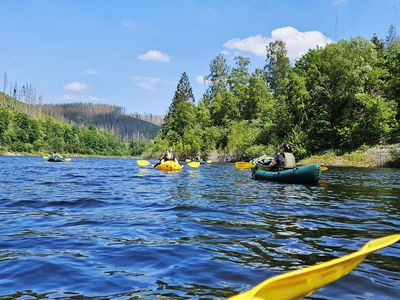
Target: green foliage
[(277, 67), (224, 108), (298, 140), (4, 122), (395, 162), (258, 150), (137, 147), (241, 135), (218, 77), (21, 133)]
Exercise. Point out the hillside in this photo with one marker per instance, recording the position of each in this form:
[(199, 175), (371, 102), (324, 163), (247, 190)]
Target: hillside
[(109, 117), (25, 129)]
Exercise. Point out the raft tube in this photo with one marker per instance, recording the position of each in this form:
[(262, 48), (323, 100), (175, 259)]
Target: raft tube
[(304, 174), (169, 165), (55, 159)]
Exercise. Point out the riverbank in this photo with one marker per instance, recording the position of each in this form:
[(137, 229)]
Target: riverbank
[(8, 153), (376, 156), (368, 157)]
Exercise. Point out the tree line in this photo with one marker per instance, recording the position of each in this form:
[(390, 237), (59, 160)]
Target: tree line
[(20, 132), (110, 117), (342, 96)]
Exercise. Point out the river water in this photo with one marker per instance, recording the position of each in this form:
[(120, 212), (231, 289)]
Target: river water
[(107, 228)]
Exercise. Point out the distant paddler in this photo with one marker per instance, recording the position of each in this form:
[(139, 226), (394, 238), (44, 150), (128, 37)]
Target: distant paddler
[(55, 157), (169, 162)]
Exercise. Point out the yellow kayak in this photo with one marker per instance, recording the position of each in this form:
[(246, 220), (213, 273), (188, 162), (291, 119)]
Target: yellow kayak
[(169, 166)]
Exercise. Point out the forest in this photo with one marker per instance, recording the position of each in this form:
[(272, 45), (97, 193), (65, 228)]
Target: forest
[(110, 117), (343, 96), (24, 128)]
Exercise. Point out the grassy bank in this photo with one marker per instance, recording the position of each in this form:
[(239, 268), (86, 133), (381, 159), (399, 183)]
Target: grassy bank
[(377, 156)]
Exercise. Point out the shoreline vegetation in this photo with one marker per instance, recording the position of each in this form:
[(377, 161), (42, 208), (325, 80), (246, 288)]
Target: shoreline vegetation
[(382, 156)]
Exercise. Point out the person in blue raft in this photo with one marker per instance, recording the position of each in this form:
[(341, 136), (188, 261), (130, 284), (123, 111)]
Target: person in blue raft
[(169, 155), (283, 160)]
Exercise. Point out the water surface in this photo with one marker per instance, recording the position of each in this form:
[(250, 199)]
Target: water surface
[(106, 228)]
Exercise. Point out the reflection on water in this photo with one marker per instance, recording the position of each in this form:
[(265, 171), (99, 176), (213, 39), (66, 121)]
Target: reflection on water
[(107, 228)]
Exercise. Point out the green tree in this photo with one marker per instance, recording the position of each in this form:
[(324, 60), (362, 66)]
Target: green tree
[(4, 122), (224, 108), (183, 93), (218, 78), (238, 79), (277, 67)]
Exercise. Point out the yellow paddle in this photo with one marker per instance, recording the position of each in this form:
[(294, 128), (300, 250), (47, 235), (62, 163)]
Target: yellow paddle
[(187, 160), (303, 282), (323, 168), (45, 156), (209, 161), (142, 162), (194, 164), (243, 165), (67, 159)]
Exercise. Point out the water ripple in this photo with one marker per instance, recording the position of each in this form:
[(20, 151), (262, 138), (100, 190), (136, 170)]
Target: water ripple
[(106, 228)]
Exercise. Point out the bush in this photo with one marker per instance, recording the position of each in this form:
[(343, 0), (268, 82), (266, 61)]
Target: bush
[(395, 161), (258, 150)]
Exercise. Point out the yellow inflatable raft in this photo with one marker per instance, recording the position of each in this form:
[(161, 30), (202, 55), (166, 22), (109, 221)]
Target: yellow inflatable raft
[(169, 166)]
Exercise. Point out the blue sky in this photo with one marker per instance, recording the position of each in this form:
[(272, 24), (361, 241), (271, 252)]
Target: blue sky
[(132, 53)]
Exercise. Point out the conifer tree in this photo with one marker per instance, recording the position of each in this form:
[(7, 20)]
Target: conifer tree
[(183, 94)]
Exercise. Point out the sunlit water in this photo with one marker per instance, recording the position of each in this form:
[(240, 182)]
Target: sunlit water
[(107, 228)]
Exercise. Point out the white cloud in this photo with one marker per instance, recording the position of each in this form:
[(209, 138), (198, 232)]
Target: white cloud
[(297, 42), (91, 72), (253, 44), (149, 83), (202, 80), (76, 87), (155, 55)]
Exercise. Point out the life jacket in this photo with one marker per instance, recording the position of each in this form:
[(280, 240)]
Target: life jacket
[(290, 161), (169, 156)]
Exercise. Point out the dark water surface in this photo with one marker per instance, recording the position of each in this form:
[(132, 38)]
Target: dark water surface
[(106, 228)]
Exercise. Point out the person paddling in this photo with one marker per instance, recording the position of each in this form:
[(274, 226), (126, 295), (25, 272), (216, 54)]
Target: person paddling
[(55, 155), (284, 160), (169, 155)]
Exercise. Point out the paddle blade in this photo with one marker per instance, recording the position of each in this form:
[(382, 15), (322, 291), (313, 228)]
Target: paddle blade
[(142, 162), (67, 159), (300, 283), (209, 161), (323, 168), (243, 165), (187, 160), (46, 157), (194, 164)]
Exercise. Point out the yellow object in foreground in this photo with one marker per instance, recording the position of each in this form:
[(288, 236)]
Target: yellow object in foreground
[(169, 166), (299, 283), (209, 161)]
